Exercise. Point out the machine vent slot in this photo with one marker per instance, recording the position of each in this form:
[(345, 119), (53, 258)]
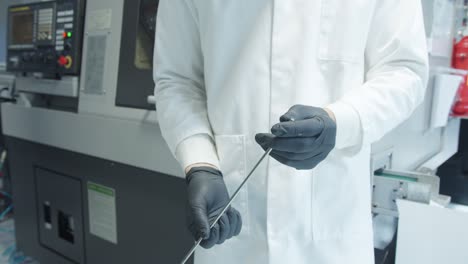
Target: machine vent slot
[(66, 227), (95, 62), (47, 215)]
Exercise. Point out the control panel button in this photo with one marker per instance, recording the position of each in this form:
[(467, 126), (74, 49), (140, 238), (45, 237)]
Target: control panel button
[(14, 61), (62, 61), (65, 61), (64, 19), (66, 34)]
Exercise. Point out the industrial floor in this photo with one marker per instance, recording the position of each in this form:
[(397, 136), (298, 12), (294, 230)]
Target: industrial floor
[(8, 252)]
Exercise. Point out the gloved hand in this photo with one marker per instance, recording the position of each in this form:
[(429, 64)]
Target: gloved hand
[(207, 195), (303, 138)]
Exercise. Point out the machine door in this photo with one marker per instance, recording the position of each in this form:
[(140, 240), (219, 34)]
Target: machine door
[(135, 81), (60, 213)]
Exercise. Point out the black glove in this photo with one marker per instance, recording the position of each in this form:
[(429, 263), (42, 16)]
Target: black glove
[(207, 196), (303, 138)]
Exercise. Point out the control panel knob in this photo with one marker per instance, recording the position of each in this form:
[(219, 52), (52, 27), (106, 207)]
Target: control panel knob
[(65, 61), (62, 61)]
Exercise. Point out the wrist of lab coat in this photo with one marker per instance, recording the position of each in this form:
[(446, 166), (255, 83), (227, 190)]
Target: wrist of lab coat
[(348, 123), (197, 149)]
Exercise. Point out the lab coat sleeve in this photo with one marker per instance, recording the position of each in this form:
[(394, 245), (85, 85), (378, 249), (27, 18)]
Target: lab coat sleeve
[(180, 92), (396, 75)]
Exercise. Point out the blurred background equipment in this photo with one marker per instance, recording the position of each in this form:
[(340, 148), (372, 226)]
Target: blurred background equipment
[(460, 57), (409, 162), (454, 172)]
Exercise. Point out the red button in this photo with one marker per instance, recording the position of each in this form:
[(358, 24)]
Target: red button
[(62, 61), (64, 35)]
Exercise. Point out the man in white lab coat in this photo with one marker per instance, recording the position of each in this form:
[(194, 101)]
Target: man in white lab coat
[(326, 77)]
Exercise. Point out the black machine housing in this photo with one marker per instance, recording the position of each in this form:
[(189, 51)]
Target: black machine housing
[(138, 31), (46, 37)]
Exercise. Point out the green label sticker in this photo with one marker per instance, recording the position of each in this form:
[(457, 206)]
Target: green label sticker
[(101, 189), (102, 212)]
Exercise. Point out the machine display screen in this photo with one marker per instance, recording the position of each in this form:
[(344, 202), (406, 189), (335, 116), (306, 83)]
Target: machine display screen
[(22, 28)]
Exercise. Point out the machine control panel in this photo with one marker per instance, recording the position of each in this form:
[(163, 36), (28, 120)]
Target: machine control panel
[(45, 37)]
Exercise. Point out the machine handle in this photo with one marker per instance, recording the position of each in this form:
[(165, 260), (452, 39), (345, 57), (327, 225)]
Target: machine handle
[(151, 99)]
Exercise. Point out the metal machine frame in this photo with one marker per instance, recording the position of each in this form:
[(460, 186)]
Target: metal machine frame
[(113, 146)]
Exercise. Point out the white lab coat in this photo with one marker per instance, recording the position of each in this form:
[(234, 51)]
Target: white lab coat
[(228, 69)]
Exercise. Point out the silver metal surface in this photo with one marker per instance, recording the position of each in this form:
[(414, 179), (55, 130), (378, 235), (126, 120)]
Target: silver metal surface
[(131, 142), (192, 250), (7, 79), (7, 85), (104, 104), (67, 86), (100, 128), (389, 186)]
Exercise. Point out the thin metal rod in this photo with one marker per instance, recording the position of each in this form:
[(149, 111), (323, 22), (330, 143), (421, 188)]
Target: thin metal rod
[(192, 250)]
